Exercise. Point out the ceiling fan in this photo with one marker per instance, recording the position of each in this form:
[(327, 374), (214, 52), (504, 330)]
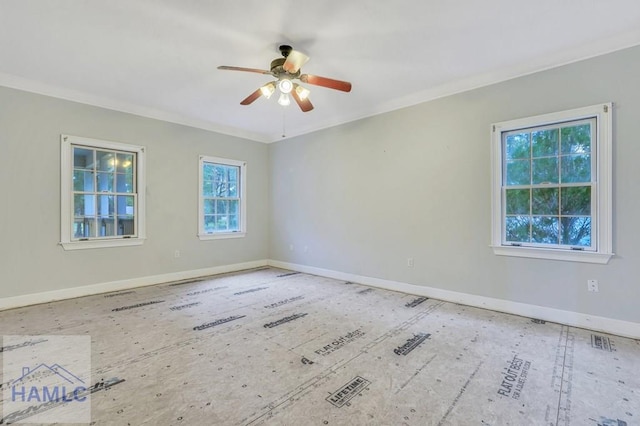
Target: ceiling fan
[(285, 70)]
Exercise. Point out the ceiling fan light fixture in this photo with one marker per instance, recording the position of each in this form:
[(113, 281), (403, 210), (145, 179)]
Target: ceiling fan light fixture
[(286, 70), (303, 93), (285, 85), (268, 89), (284, 99)]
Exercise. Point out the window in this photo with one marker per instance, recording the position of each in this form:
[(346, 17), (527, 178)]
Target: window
[(222, 206), (552, 186), (102, 193)]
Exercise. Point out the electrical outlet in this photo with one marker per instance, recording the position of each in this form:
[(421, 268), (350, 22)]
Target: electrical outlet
[(176, 254), (290, 247), (410, 262), (592, 285)]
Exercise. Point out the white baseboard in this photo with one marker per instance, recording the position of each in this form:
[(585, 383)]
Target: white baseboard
[(107, 287), (575, 319)]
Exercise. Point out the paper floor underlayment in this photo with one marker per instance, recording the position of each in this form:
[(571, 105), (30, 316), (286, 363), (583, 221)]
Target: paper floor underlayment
[(272, 347)]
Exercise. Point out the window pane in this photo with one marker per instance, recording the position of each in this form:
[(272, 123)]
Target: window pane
[(576, 231), (517, 228), (221, 222), (576, 200), (576, 168), (221, 189), (233, 223), (209, 206), (125, 163), (544, 230), (105, 161), (84, 205), (126, 205), (209, 223), (518, 172), (124, 183), (106, 206), (107, 227), (221, 207), (218, 173), (207, 171), (84, 228), (207, 188), (517, 146), (233, 189), (545, 170), (576, 139), (544, 143), (232, 174), (83, 181), (545, 201), (518, 201), (105, 182), (125, 226), (233, 207), (82, 158)]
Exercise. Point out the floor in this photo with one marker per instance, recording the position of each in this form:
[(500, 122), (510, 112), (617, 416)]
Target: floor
[(274, 347)]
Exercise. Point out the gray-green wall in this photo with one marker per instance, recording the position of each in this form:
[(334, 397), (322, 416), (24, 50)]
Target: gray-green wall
[(358, 198), (31, 261), (363, 197)]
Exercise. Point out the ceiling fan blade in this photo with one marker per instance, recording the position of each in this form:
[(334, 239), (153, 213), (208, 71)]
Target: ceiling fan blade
[(251, 98), (294, 61), (316, 80), (304, 104), (259, 71)]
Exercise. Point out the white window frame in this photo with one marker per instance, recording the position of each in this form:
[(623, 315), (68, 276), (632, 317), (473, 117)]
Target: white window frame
[(66, 191), (602, 179), (242, 223)]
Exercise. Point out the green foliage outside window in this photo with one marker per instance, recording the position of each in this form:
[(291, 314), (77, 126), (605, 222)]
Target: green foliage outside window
[(220, 190), (548, 184)]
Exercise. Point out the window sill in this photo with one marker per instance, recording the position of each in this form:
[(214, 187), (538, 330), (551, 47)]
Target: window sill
[(564, 255), (93, 244), (221, 235)]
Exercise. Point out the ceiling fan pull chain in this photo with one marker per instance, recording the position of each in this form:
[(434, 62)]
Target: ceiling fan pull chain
[(284, 111)]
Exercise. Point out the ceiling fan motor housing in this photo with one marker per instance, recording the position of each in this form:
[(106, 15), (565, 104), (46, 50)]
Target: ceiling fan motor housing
[(278, 71)]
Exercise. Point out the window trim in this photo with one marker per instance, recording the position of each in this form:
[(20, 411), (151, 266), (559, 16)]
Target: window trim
[(603, 113), (66, 194), (242, 232)]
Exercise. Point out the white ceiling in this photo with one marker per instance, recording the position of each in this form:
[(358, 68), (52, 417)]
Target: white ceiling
[(159, 58)]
